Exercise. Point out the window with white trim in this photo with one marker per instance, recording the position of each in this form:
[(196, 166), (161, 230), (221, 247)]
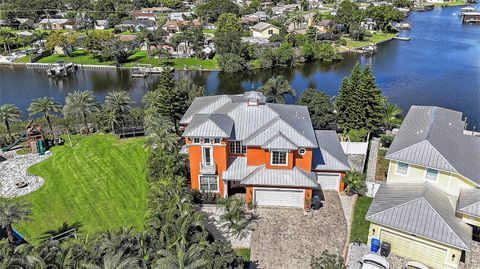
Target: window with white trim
[(206, 141), (236, 147), (402, 168), (217, 140), (196, 140), (431, 174), (279, 157), (209, 183)]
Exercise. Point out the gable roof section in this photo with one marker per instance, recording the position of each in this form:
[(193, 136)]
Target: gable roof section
[(433, 137), (237, 169), (329, 155), (210, 125), (279, 141), (469, 202), (261, 26), (422, 210), (280, 177)]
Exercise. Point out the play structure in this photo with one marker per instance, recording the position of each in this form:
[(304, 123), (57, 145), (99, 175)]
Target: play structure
[(33, 137)]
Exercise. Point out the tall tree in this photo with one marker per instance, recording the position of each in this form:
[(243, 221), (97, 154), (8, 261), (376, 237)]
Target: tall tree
[(9, 113), (213, 9), (276, 88), (228, 34), (349, 101), (80, 104), (392, 115), (373, 101), (117, 104), (11, 213), (45, 105), (320, 107)]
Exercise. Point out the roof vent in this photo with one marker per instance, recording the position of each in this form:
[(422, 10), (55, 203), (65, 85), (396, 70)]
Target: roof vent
[(254, 98)]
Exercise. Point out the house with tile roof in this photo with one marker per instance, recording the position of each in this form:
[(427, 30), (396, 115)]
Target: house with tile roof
[(270, 152), (429, 208)]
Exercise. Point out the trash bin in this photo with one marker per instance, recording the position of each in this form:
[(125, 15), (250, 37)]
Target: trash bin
[(385, 249), (375, 245), (317, 202)]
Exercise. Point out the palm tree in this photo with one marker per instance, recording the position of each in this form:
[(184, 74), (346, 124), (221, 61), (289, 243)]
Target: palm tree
[(80, 104), (297, 21), (117, 105), (276, 88), (10, 113), (116, 260), (317, 16), (11, 213), (355, 182), (392, 115), (45, 105), (182, 258)]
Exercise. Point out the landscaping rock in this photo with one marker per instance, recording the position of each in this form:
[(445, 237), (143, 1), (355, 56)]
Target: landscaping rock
[(13, 171)]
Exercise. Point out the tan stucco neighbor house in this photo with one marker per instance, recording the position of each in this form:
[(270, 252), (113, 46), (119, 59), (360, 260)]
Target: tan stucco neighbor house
[(264, 30), (429, 208)]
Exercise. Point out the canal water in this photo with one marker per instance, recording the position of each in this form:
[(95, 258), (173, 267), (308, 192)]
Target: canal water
[(439, 66)]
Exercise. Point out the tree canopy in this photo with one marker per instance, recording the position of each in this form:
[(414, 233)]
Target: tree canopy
[(213, 9), (228, 34), (320, 107)]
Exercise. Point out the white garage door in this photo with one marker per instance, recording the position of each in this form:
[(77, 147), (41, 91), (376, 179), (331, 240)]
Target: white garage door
[(329, 181), (279, 197), (414, 250)]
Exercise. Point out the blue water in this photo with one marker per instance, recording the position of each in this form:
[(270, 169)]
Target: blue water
[(439, 66)]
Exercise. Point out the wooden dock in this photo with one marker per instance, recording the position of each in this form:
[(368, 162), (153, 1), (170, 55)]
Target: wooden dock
[(468, 17)]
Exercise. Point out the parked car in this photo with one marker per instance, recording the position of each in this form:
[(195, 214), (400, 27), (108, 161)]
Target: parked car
[(415, 265), (373, 261)]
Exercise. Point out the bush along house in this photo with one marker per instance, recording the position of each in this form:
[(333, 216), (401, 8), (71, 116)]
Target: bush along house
[(429, 208), (270, 152)]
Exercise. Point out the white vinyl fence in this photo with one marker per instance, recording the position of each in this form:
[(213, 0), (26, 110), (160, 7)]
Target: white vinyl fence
[(355, 147)]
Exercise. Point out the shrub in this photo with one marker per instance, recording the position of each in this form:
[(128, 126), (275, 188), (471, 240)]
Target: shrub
[(201, 197), (232, 63), (386, 140), (342, 42), (355, 182), (368, 34), (357, 135)]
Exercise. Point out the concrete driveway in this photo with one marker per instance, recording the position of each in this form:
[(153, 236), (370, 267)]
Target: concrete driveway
[(287, 238)]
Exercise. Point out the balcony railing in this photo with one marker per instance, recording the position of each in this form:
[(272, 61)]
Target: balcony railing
[(208, 169)]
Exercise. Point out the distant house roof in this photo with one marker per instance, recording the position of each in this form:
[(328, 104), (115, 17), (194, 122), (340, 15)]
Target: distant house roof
[(469, 202), (420, 209), (433, 137), (59, 21), (262, 26), (127, 38), (279, 177), (256, 125), (141, 14), (145, 23), (325, 23), (329, 155)]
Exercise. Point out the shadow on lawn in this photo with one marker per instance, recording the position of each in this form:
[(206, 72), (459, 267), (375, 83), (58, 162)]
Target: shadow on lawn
[(64, 231)]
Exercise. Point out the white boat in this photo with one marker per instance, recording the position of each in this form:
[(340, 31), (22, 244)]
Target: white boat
[(370, 48)]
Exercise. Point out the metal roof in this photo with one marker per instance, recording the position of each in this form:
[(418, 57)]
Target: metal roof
[(279, 141), (209, 125), (262, 26), (433, 137), (255, 125), (329, 155), (237, 169), (469, 202), (281, 177), (420, 209)]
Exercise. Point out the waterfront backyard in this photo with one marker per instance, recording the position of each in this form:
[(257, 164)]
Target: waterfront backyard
[(99, 183)]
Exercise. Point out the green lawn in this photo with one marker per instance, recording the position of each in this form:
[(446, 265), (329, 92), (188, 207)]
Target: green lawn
[(179, 63), (24, 59), (360, 226), (244, 253), (78, 57), (375, 38), (100, 182), (382, 165), (451, 4)]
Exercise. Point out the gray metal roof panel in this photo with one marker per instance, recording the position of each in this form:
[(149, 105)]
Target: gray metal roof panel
[(281, 177), (329, 155), (279, 141), (469, 202), (419, 209), (433, 137), (237, 169), (209, 125)]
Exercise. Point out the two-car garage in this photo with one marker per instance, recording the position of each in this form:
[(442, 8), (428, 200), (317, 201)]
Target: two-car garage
[(279, 197)]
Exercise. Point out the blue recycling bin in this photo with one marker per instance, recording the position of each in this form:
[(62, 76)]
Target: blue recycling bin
[(375, 245)]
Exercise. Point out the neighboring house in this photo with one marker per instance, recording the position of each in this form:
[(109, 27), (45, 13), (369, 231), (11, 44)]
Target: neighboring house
[(175, 26), (368, 24), (324, 26), (13, 23), (429, 209), (270, 152), (137, 26), (101, 24), (156, 10), (264, 30), (56, 24), (26, 21), (139, 15), (180, 16)]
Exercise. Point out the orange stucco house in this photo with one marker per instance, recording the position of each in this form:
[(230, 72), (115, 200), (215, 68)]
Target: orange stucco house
[(270, 152)]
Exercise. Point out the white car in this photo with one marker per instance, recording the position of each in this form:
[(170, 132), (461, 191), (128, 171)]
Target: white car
[(373, 261)]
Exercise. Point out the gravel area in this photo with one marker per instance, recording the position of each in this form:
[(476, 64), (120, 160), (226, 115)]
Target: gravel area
[(356, 161), (348, 202), (214, 226), (14, 170), (288, 237), (472, 260)]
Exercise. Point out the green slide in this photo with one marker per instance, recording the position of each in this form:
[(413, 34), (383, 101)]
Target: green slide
[(9, 147)]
